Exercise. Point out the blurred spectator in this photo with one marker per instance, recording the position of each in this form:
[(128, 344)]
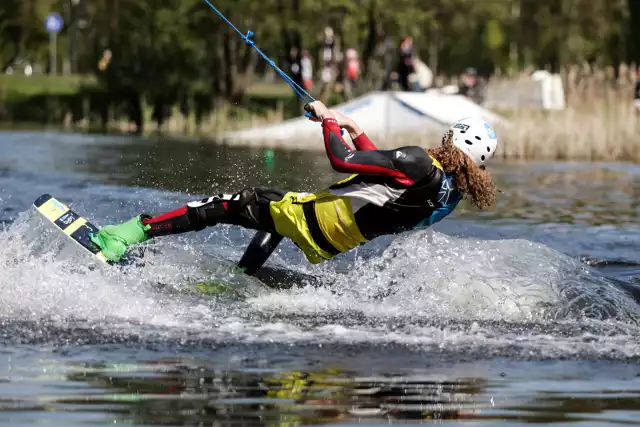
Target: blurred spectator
[(327, 55), (294, 61), (405, 64), (105, 60), (422, 79), (352, 69), (307, 70), (389, 74), (470, 87)]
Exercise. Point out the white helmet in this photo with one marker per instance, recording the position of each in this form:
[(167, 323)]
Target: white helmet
[(476, 138)]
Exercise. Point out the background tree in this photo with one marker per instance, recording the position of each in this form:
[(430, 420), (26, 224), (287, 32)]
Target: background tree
[(172, 52)]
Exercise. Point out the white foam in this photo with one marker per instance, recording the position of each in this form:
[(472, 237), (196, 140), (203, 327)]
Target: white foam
[(53, 285), (413, 294), (438, 276)]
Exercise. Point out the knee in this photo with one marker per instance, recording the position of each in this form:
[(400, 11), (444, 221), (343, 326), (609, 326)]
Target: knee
[(240, 200), (197, 217), (207, 212)]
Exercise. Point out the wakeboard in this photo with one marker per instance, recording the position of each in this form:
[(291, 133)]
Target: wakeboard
[(72, 225)]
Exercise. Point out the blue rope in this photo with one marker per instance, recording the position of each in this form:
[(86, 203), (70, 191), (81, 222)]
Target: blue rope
[(247, 39)]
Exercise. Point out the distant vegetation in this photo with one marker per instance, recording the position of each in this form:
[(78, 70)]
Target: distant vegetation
[(143, 61)]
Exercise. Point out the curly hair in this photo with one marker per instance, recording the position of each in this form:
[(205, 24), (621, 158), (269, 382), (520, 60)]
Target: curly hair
[(474, 182)]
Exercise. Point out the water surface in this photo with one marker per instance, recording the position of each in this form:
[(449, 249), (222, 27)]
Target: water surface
[(517, 315)]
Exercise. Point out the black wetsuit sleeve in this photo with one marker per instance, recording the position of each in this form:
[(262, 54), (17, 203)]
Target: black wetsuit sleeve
[(406, 164)]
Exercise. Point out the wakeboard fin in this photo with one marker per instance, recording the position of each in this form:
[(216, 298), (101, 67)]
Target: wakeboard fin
[(72, 225)]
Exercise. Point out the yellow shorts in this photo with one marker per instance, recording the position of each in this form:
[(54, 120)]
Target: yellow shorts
[(290, 222)]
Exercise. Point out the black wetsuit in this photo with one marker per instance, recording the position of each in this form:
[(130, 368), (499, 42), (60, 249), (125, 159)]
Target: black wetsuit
[(390, 191)]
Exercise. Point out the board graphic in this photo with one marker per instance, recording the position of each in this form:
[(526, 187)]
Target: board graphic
[(69, 222)]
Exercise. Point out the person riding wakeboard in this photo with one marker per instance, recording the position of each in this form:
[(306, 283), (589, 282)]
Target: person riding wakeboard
[(389, 192)]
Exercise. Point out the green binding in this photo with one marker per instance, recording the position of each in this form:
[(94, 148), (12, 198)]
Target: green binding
[(115, 239)]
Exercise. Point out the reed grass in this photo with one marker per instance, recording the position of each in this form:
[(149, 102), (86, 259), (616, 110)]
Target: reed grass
[(600, 122), (225, 118)]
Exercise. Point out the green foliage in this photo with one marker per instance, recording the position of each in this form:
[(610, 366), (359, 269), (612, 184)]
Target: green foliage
[(166, 50), (174, 42), (26, 86), (493, 35)]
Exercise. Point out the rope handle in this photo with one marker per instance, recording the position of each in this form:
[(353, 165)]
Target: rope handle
[(309, 112)]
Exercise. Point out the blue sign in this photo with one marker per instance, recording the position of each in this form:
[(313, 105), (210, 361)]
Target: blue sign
[(53, 23)]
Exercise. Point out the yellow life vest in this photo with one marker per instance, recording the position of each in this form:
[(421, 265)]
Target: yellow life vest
[(334, 216)]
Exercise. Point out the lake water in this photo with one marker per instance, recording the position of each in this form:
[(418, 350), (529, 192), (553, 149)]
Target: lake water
[(524, 314)]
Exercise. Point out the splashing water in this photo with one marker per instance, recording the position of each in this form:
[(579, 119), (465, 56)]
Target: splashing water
[(43, 278), (430, 274), (425, 289)]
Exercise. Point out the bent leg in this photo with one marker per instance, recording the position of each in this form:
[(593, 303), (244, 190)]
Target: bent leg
[(249, 209)]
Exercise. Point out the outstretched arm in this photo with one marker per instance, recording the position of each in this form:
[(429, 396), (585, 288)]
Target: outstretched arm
[(407, 165)]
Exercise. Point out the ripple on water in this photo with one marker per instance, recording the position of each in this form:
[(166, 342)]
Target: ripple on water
[(473, 297), (253, 387)]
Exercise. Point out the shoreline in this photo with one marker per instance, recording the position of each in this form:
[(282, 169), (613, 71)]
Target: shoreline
[(599, 124), (292, 145)]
